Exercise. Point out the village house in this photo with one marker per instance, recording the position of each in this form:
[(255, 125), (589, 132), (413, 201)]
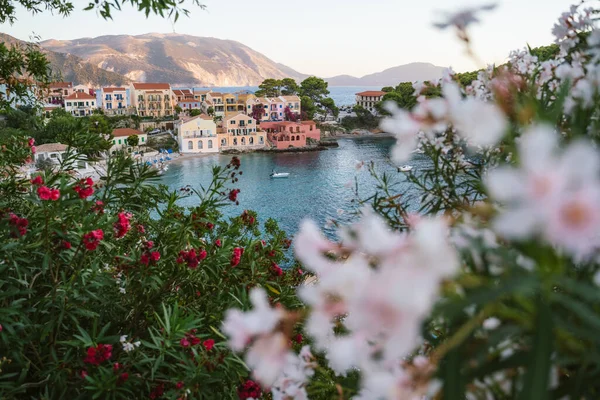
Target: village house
[(57, 91), (215, 100), (201, 95), (240, 132), (152, 99), (188, 105), (293, 103), (183, 95), (114, 101), (56, 153), (368, 99), (80, 104), (121, 135), (286, 134), (197, 134)]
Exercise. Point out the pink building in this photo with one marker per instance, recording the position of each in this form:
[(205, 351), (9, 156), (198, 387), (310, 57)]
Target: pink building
[(286, 134)]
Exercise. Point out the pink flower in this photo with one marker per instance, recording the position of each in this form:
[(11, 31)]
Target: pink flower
[(122, 225), (179, 385), (155, 255), (31, 142), (276, 269), (37, 180), (33, 149), (298, 338), (83, 373), (236, 256), (116, 366), (184, 342), (84, 188), (208, 344), (218, 242)]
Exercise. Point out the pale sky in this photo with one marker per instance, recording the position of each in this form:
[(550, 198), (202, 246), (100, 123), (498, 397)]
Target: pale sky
[(328, 37)]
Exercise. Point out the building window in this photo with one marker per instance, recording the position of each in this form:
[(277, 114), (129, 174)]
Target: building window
[(143, 139), (119, 141), (223, 142), (297, 137), (114, 142), (261, 140), (190, 145), (251, 140), (210, 144), (199, 144), (68, 104), (243, 141), (232, 122), (249, 121)]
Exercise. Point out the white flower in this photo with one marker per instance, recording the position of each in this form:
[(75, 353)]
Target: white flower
[(127, 347), (266, 357), (491, 323), (463, 18), (242, 326), (123, 338), (122, 290)]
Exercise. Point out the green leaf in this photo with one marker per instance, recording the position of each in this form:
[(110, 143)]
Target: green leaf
[(538, 370), (219, 334), (453, 381), (272, 289)]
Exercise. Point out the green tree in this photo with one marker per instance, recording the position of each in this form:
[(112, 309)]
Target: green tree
[(269, 88), (289, 87), (210, 111), (195, 112), (387, 89), (178, 109), (329, 106), (133, 140), (98, 124), (315, 88), (308, 107)]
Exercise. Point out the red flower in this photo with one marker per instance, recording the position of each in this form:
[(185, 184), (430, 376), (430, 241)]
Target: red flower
[(276, 269), (18, 225), (235, 162), (155, 255), (99, 354), (218, 242), (149, 244), (158, 391), (197, 294), (123, 378), (1, 328), (66, 245), (54, 194), (298, 338), (179, 385), (250, 389), (210, 226), (191, 257), (300, 272), (122, 225), (184, 342), (116, 367), (208, 344), (37, 180), (84, 188), (92, 239), (145, 259), (31, 142), (271, 254), (233, 194), (236, 256), (83, 373), (44, 192), (194, 340), (98, 207), (248, 219), (141, 229)]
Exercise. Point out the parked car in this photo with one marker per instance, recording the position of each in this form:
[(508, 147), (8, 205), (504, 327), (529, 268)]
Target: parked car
[(154, 132)]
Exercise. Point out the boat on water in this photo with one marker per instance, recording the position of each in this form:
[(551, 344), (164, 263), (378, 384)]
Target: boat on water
[(406, 168), (277, 175)]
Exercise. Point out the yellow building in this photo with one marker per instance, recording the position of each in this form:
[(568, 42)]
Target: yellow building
[(152, 99), (240, 132)]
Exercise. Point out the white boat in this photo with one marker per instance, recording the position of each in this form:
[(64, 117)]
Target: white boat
[(276, 175), (406, 168)]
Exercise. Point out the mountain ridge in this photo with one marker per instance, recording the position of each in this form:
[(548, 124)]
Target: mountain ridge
[(416, 71), (182, 60)]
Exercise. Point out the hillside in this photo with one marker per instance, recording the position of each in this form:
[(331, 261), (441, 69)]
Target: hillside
[(177, 59), (68, 67), (391, 76)]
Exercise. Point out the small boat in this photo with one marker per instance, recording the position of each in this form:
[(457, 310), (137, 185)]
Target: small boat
[(276, 175), (406, 168)]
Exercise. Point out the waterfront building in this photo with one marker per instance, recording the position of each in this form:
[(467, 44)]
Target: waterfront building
[(293, 103), (121, 135), (368, 99), (200, 95), (276, 109), (114, 101), (197, 134), (152, 99), (183, 95), (240, 132), (83, 89), (215, 100), (286, 134), (57, 91), (187, 105), (80, 104), (56, 153)]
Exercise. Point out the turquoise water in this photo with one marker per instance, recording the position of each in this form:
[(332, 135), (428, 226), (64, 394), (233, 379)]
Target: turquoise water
[(317, 187)]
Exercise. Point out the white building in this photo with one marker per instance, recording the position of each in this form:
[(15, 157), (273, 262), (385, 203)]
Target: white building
[(57, 152), (368, 99), (121, 135), (197, 135), (114, 101), (80, 104)]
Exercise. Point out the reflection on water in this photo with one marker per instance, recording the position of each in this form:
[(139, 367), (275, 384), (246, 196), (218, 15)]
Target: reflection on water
[(320, 185)]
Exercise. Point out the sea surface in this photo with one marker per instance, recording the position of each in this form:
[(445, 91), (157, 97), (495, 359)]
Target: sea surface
[(321, 185)]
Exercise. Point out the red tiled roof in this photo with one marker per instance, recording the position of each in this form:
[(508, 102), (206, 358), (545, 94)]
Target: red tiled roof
[(126, 132), (113, 89), (373, 93), (61, 85), (149, 86), (80, 96)]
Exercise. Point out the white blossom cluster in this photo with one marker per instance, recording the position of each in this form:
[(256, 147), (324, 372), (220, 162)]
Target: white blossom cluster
[(127, 345)]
